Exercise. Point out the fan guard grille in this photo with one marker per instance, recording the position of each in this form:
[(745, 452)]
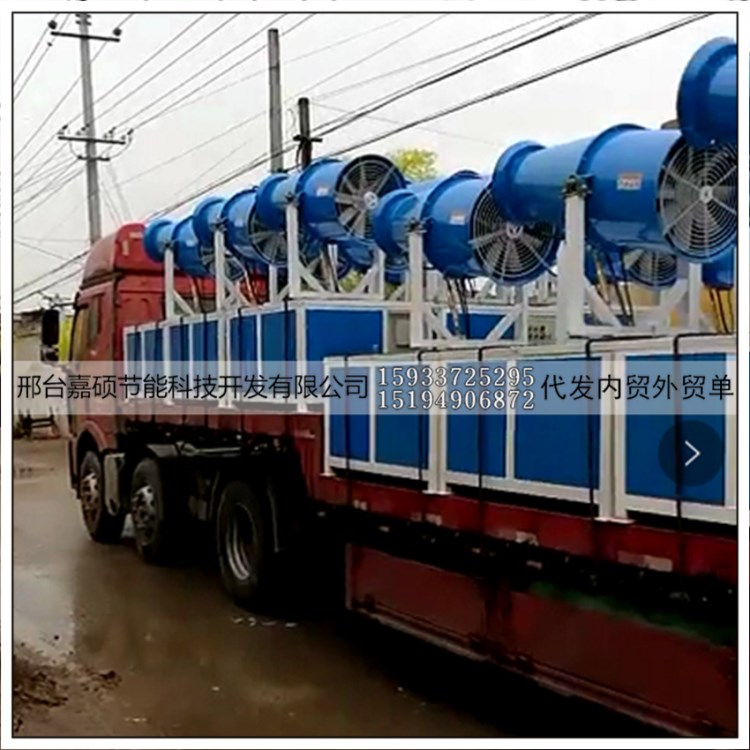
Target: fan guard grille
[(651, 268), (361, 185), (271, 247), (510, 253), (698, 200)]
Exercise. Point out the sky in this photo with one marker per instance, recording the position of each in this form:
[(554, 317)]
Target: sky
[(224, 125)]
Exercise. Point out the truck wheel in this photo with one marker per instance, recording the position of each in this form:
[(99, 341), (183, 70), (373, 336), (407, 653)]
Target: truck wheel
[(156, 536), (243, 544), (102, 525)]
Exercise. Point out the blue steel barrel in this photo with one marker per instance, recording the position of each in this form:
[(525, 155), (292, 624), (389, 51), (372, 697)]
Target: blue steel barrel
[(195, 258), (189, 255), (337, 199), (274, 194), (707, 97), (719, 273), (206, 217), (236, 214), (156, 237), (464, 235), (646, 190)]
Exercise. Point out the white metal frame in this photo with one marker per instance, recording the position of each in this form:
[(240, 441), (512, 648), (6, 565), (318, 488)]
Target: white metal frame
[(428, 308), (612, 501), (576, 295)]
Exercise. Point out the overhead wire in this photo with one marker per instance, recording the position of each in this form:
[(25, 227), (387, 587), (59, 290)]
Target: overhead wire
[(203, 85), (34, 49), (166, 67), (372, 55), (515, 44), (161, 50), (49, 116), (37, 248), (502, 90), (39, 61), (287, 62), (425, 61)]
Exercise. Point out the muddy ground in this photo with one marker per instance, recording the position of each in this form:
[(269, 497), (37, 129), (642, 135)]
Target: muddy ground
[(106, 645)]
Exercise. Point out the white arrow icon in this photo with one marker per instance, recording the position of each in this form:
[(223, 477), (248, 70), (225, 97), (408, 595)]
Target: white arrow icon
[(695, 455)]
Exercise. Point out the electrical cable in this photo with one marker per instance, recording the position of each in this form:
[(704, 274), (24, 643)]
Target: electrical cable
[(203, 85), (28, 295), (34, 49), (43, 251), (549, 73), (149, 59), (39, 61), (369, 57), (523, 41), (449, 53), (166, 67), (304, 56), (49, 116)]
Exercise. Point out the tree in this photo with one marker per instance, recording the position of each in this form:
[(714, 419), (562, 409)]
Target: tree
[(416, 163)]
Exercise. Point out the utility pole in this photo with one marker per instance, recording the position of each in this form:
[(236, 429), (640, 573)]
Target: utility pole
[(274, 101), (304, 138), (87, 134)]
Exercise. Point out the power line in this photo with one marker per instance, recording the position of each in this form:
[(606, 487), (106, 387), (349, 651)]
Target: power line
[(28, 295), (193, 149), (150, 58), (34, 49), (49, 116), (166, 67), (39, 61), (504, 49), (76, 258), (208, 67), (48, 192), (433, 58), (304, 56), (390, 120), (118, 190), (369, 57), (526, 82), (54, 169), (43, 251)]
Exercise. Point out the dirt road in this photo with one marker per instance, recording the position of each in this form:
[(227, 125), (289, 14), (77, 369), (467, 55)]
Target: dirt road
[(106, 645)]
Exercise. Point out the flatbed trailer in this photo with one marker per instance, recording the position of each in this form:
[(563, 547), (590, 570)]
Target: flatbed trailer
[(636, 612)]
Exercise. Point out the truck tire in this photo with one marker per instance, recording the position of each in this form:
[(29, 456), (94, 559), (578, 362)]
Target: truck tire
[(243, 544), (155, 519), (103, 526)]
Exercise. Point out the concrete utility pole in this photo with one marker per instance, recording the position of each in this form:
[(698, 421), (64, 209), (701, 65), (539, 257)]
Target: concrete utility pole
[(87, 134), (274, 101), (304, 138)]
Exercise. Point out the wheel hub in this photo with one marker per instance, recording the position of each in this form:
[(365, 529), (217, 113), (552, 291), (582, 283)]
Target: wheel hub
[(143, 511), (90, 496), (239, 540)]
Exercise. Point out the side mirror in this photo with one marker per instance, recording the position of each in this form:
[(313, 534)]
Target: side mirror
[(50, 335)]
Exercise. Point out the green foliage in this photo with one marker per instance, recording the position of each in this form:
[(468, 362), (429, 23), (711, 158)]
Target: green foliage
[(416, 163)]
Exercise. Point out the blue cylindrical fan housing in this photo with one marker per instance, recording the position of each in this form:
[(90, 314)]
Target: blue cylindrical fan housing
[(194, 257), (236, 214), (317, 186), (189, 255), (444, 207), (719, 273), (274, 194), (206, 218), (707, 97), (624, 165), (156, 237)]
